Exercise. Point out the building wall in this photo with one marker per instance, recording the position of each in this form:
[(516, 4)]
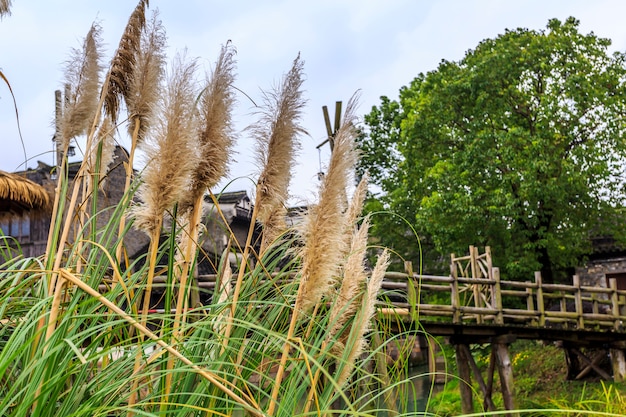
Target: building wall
[(596, 272)]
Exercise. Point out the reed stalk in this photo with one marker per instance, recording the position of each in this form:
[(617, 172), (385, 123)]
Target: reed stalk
[(323, 237)]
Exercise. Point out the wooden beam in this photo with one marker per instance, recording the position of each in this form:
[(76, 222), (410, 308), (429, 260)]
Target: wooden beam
[(595, 362), (329, 129), (590, 363), (337, 116)]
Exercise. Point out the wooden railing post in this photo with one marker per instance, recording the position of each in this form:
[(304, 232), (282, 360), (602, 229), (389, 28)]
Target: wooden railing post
[(578, 300), (540, 306), (497, 294), (455, 298), (615, 307)]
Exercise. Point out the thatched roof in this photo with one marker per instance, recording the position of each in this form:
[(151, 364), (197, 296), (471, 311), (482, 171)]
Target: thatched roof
[(18, 194)]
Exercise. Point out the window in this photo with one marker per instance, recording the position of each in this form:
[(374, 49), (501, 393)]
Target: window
[(18, 227)]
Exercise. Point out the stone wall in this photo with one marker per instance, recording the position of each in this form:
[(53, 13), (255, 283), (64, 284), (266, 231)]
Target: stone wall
[(595, 272)]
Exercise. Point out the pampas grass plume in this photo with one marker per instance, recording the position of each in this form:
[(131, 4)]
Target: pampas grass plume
[(215, 133), (171, 153), (5, 7), (325, 225), (82, 88), (145, 84), (352, 286), (123, 63), (276, 135)]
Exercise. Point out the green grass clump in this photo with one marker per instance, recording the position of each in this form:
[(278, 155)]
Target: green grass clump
[(541, 388)]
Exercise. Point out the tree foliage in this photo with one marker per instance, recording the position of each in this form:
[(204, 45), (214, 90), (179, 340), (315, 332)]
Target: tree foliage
[(519, 145)]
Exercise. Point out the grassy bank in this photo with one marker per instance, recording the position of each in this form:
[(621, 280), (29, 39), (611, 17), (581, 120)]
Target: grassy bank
[(540, 384)]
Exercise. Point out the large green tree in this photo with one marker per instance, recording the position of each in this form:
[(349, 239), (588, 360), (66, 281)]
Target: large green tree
[(520, 146)]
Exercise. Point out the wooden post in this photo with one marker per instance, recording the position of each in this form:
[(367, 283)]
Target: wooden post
[(579, 302), (497, 296), (505, 370), (540, 307), (488, 404), (455, 298), (530, 303), (615, 307), (618, 362), (465, 384)]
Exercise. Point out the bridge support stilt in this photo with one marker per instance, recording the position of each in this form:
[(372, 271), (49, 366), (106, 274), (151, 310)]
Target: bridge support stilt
[(465, 385), (467, 366), (505, 371), (618, 361)]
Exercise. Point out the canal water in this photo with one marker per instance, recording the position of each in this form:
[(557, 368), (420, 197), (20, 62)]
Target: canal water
[(419, 391), (413, 396)]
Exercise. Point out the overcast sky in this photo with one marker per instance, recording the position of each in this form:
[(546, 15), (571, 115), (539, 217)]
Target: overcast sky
[(371, 46)]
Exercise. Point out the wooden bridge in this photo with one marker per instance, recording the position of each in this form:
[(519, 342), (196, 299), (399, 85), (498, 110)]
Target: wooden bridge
[(474, 306)]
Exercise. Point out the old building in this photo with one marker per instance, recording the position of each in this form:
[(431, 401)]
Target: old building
[(607, 260), (25, 211)]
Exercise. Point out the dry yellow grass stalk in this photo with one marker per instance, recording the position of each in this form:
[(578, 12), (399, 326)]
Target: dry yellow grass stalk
[(276, 135), (323, 232), (82, 78), (123, 63), (145, 85), (275, 132), (172, 159), (224, 385), (215, 142)]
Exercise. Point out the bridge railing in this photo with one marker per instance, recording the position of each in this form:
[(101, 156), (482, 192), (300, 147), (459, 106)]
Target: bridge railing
[(530, 303), (495, 301)]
